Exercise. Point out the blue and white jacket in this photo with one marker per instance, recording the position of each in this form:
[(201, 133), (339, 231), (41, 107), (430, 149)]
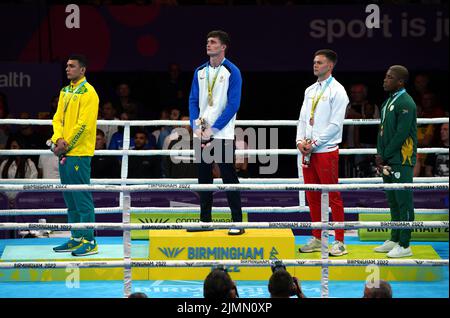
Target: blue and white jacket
[(226, 96)]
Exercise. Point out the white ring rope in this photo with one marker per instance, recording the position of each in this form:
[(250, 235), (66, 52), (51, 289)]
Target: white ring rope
[(223, 187), (218, 181), (244, 263), (190, 209), (9, 121), (238, 152), (226, 225), (125, 194)]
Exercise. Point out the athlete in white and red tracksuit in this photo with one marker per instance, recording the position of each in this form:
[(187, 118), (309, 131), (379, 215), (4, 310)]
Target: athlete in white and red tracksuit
[(319, 132)]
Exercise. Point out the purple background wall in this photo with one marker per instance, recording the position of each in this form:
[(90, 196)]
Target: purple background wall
[(126, 38), (147, 38)]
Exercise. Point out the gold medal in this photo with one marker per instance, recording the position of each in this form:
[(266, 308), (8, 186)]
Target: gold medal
[(210, 100), (381, 130), (311, 121)]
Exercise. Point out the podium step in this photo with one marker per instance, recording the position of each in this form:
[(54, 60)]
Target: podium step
[(389, 273), (217, 244), (417, 234), (45, 253), (177, 244)]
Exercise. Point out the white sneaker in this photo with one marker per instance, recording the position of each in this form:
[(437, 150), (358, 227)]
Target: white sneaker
[(313, 245), (400, 251), (236, 231), (386, 247), (338, 249)]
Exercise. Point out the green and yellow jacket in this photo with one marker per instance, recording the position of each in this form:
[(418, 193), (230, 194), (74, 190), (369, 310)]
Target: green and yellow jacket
[(75, 119), (397, 136)]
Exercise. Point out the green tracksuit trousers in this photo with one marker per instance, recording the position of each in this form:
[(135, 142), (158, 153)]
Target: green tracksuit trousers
[(80, 205), (400, 202)]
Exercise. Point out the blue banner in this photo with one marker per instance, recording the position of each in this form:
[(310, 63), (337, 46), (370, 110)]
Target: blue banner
[(30, 86)]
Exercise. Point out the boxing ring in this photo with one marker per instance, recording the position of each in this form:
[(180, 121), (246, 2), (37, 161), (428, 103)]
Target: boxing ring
[(127, 186)]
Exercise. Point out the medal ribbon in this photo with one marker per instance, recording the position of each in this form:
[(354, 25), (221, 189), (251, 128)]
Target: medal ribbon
[(391, 101), (211, 86), (67, 100), (316, 101)]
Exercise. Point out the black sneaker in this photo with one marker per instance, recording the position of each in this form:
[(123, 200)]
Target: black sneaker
[(199, 230)]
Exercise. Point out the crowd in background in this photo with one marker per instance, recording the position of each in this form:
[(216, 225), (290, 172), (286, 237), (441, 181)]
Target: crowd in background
[(173, 93), (430, 135)]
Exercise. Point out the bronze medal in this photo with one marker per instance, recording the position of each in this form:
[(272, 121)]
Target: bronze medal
[(311, 121)]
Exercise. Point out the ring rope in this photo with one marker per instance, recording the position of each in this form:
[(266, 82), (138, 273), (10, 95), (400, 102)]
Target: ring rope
[(223, 187), (187, 152), (190, 209), (10, 121), (226, 225), (244, 263), (218, 181), (125, 191)]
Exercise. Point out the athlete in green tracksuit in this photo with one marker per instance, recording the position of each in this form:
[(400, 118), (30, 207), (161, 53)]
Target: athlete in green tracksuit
[(74, 135), (396, 151)]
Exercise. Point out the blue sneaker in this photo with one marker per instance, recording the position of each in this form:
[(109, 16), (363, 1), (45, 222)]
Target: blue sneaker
[(69, 246), (87, 248)]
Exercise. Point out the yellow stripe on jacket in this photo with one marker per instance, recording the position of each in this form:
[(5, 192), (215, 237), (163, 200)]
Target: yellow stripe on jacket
[(407, 151), (77, 125)]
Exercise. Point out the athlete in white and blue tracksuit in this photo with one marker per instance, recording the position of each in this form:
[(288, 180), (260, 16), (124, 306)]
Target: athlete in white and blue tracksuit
[(219, 116)]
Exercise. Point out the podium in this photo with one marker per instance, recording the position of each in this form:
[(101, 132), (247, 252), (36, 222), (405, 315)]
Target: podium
[(361, 273), (217, 245), (212, 245), (45, 253)]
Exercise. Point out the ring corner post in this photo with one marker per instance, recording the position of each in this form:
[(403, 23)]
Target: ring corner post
[(324, 292), (125, 204)]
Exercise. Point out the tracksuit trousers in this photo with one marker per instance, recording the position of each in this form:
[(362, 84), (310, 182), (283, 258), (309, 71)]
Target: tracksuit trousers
[(80, 205), (400, 202), (324, 169), (220, 151)]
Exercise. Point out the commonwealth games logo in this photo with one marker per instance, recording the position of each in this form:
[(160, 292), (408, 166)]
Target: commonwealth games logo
[(171, 252)]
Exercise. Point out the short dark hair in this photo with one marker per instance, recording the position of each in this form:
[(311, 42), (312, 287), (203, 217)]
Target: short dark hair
[(329, 54), (281, 284), (141, 130), (123, 83), (82, 60), (221, 35), (138, 295), (107, 101), (401, 72), (218, 285), (100, 132)]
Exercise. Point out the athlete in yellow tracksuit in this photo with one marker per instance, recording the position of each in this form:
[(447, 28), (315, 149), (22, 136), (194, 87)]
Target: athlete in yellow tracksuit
[(74, 135)]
